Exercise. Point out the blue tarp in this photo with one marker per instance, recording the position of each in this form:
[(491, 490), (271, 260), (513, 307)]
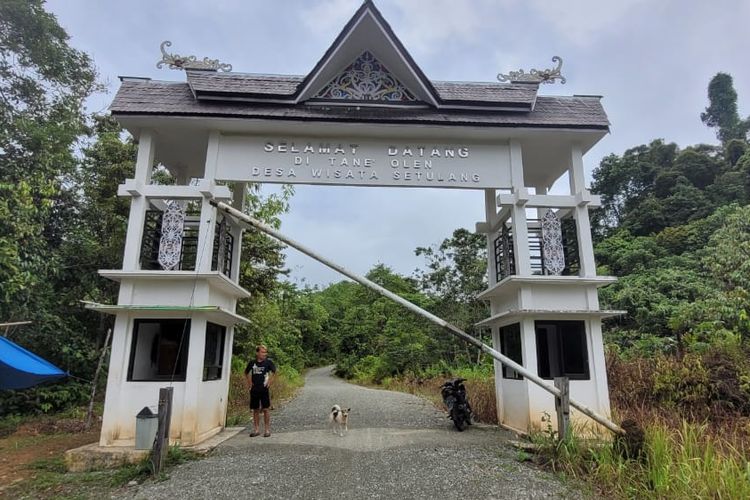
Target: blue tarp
[(20, 368)]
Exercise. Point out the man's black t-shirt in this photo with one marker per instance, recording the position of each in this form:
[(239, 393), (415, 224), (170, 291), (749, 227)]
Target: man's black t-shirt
[(261, 370)]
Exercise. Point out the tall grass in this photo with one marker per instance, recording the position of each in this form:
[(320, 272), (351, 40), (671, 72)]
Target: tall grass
[(683, 456), (480, 388), (692, 464), (677, 462)]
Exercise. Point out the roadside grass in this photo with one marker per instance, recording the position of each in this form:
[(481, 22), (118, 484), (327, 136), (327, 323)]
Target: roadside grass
[(675, 462), (286, 384), (70, 420), (480, 388), (680, 458), (51, 479)]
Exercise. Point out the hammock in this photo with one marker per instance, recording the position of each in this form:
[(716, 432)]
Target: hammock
[(20, 369)]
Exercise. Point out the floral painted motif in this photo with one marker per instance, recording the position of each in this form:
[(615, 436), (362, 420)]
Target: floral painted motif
[(170, 245), (366, 79), (552, 244)]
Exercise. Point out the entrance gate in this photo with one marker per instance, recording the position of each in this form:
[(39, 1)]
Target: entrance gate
[(366, 115)]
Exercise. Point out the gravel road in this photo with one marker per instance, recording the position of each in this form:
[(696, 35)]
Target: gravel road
[(398, 446)]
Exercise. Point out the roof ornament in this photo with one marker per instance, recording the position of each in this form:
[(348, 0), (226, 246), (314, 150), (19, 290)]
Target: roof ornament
[(366, 79), (535, 75), (189, 62)]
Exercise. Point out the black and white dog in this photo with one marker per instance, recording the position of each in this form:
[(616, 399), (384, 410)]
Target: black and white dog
[(339, 420)]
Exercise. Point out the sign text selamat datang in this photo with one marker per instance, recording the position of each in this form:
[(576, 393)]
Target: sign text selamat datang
[(363, 163)]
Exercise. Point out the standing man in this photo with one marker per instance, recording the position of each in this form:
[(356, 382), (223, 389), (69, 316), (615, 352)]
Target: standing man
[(259, 375)]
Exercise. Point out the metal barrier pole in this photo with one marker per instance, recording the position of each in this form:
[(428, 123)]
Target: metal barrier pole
[(418, 310)]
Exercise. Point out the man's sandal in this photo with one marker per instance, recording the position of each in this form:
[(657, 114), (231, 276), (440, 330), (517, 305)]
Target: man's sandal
[(267, 434), (253, 434)]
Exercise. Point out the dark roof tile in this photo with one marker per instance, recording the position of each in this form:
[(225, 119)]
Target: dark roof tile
[(169, 98), (486, 92), (252, 85), (242, 83)]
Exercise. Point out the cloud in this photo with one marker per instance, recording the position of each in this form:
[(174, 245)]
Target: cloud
[(582, 22), (432, 22), (326, 18)]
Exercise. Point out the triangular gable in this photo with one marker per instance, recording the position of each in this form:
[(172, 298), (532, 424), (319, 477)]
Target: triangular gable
[(368, 31), (366, 79)]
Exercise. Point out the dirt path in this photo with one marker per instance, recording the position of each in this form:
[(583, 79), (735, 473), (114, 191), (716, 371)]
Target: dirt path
[(28, 446), (398, 446)]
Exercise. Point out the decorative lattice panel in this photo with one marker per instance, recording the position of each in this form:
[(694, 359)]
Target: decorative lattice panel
[(366, 79), (170, 244), (552, 244)]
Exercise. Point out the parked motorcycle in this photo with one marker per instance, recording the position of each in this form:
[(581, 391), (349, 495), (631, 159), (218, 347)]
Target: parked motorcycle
[(454, 396)]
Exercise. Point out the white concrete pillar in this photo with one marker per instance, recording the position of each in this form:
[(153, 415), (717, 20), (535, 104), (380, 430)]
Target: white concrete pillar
[(598, 366), (116, 379), (139, 204), (581, 214), (208, 213), (144, 163), (238, 202), (576, 178), (585, 242), (490, 213), (193, 379), (500, 403), (226, 372), (540, 211), (518, 212), (528, 354)]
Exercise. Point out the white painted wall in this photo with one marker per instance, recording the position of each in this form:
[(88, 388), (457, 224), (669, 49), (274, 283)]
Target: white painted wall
[(522, 404), (199, 408)]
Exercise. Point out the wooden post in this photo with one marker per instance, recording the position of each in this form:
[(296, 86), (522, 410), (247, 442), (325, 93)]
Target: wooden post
[(90, 414), (562, 407), (161, 442)]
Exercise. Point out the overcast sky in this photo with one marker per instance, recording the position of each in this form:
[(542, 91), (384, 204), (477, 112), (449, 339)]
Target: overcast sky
[(651, 60)]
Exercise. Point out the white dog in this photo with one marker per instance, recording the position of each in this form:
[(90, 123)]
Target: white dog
[(339, 420)]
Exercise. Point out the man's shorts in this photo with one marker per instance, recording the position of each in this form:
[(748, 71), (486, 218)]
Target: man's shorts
[(260, 399)]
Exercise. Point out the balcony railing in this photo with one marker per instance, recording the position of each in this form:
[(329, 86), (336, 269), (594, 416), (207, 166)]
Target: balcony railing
[(223, 247), (505, 262), (222, 254)]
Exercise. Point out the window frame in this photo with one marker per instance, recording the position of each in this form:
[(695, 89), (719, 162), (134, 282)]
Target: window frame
[(561, 329), (509, 373), (182, 353), (222, 337)]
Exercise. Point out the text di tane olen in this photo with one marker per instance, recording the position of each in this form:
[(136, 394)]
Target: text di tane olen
[(341, 162)]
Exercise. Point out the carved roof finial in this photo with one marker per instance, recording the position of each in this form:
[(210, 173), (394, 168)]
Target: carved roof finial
[(535, 75), (189, 62)]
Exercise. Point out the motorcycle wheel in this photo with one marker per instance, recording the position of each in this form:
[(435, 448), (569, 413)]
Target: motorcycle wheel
[(458, 421)]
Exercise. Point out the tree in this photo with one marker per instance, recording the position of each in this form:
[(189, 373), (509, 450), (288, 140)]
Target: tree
[(626, 181), (653, 187), (43, 83), (722, 110)]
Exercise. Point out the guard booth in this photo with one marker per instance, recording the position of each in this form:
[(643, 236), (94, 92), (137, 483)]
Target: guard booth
[(365, 115)]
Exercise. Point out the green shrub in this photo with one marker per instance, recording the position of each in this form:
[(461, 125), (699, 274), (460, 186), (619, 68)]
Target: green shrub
[(684, 383), (9, 424), (48, 398), (370, 369)]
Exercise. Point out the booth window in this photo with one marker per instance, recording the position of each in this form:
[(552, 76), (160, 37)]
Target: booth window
[(561, 349), (510, 345), (159, 350), (213, 359)]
